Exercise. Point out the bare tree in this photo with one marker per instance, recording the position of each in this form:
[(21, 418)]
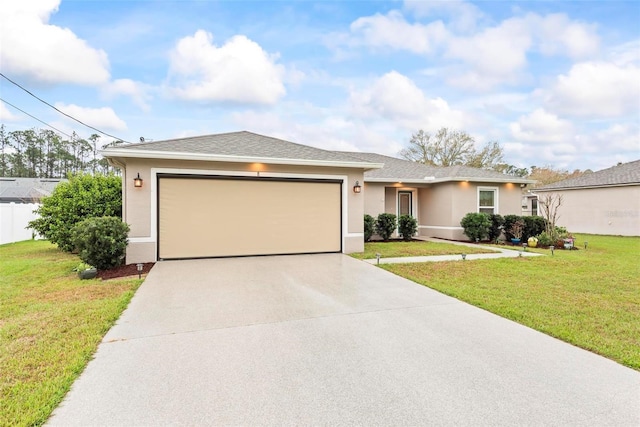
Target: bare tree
[(445, 148), (452, 147), (549, 204)]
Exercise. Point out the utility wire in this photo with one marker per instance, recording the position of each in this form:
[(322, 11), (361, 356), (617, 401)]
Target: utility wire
[(59, 111), (34, 117)]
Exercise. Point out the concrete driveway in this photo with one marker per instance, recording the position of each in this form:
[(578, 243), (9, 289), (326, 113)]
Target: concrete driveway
[(329, 340)]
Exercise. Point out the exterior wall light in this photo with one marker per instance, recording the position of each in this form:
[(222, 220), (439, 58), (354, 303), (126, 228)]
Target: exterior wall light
[(357, 188), (137, 181)]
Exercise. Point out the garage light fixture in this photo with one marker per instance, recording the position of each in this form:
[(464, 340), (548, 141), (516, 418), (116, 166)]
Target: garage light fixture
[(357, 188), (137, 181)]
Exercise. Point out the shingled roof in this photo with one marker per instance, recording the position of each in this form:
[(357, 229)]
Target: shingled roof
[(622, 174), (236, 146), (395, 170), (26, 190)]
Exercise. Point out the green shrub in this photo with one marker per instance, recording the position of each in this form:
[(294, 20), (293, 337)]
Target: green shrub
[(476, 226), (385, 225), (407, 227), (101, 242), (369, 227), (533, 226), (497, 221), (83, 196), (545, 240)]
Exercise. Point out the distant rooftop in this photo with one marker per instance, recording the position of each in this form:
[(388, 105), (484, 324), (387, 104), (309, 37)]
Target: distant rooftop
[(26, 190), (622, 174)]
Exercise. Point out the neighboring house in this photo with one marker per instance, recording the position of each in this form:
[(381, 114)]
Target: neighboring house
[(530, 204), (602, 202), (26, 190), (19, 197), (438, 197), (239, 194)]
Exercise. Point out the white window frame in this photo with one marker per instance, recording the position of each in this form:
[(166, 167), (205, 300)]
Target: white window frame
[(496, 194)]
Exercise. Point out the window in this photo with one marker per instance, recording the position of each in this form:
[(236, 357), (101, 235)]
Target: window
[(534, 206), (488, 200)]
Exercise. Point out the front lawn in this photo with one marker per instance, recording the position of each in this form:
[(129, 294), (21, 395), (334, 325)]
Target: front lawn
[(50, 325), (393, 249), (589, 298)]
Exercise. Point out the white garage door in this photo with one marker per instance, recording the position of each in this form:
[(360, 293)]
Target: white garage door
[(216, 217)]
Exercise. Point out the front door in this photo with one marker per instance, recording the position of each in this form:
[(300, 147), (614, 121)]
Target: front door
[(405, 203)]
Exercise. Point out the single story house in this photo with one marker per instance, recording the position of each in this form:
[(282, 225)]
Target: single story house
[(602, 202), (240, 193), (438, 197)]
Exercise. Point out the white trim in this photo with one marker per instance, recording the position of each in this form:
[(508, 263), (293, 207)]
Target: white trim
[(153, 221), (439, 227), (171, 155), (141, 240), (496, 200), (354, 235), (451, 179)]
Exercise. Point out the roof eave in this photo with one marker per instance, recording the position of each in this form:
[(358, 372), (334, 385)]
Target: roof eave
[(451, 179), (585, 187), (170, 155)]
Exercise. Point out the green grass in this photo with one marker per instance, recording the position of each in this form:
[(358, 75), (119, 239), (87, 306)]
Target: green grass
[(395, 249), (50, 325), (589, 298)]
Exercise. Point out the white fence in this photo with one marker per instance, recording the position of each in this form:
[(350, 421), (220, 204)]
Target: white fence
[(14, 217)]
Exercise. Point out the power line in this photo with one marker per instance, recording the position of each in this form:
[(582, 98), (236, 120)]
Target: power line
[(59, 111), (34, 117)]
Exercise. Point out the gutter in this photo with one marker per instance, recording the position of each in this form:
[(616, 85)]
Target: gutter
[(170, 155)]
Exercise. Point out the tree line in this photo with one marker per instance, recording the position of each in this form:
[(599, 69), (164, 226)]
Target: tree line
[(449, 147), (43, 153)]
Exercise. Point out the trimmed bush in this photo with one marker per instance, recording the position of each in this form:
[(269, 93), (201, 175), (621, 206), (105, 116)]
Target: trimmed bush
[(476, 226), (83, 196), (533, 226), (385, 225), (407, 227), (369, 227), (101, 242), (497, 221)]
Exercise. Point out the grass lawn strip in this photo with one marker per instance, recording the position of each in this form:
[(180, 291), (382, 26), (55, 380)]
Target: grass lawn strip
[(51, 323), (397, 249), (589, 298)]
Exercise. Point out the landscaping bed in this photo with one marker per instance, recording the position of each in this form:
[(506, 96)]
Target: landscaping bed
[(128, 270)]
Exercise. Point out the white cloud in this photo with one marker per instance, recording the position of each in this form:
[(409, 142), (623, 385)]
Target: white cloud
[(595, 89), (541, 127), (558, 35), (396, 98), (393, 31), (463, 16), (6, 115), (101, 118), (46, 53), (136, 90), (238, 71)]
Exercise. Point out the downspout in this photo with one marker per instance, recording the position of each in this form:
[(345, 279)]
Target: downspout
[(115, 163)]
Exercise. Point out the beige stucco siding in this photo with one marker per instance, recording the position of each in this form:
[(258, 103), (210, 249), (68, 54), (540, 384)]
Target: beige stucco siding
[(612, 210), (374, 198), (140, 204)]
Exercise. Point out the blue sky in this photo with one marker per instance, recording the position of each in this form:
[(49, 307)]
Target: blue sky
[(555, 83)]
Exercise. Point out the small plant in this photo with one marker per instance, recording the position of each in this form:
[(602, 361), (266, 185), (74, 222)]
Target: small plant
[(476, 226), (101, 241), (516, 229), (369, 227), (544, 239), (83, 266), (385, 225), (407, 227)]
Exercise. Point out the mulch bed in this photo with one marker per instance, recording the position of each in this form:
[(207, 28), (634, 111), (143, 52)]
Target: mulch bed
[(124, 271)]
